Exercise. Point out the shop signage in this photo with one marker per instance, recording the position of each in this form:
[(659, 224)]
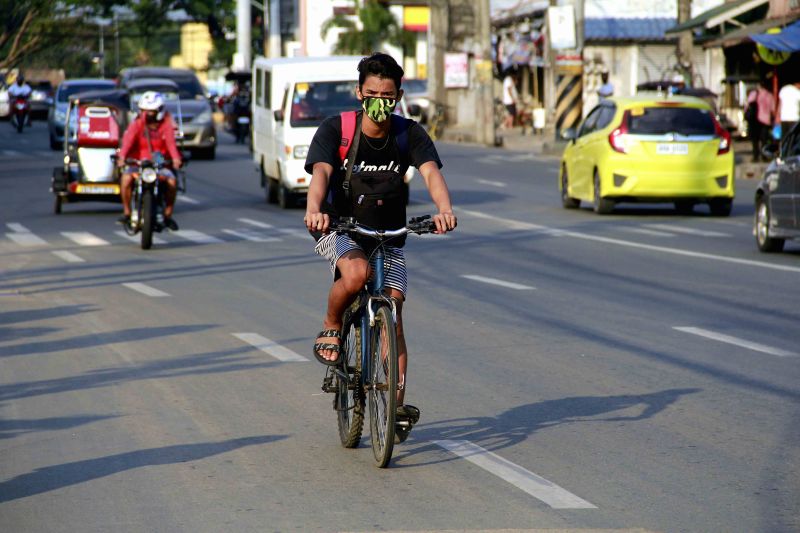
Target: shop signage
[(561, 26), (456, 70), (772, 57)]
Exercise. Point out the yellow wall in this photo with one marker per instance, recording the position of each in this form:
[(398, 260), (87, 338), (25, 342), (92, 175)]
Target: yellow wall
[(196, 45)]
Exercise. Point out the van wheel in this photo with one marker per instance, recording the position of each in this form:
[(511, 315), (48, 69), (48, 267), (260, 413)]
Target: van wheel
[(285, 198), (272, 191)]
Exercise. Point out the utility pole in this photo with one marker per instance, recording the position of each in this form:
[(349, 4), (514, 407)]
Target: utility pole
[(274, 28), (483, 76), (102, 52), (116, 42), (243, 38), (437, 45), (685, 43)]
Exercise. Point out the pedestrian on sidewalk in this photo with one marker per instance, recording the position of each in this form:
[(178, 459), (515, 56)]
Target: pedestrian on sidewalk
[(760, 116), (510, 98), (789, 107)]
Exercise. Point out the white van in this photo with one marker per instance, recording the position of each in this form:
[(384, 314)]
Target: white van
[(291, 97)]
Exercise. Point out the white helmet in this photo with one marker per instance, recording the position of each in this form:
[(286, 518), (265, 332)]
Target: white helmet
[(152, 101)]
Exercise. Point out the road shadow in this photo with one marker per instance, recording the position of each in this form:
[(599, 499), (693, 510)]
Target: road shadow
[(30, 315), (517, 424), (12, 333), (13, 428), (101, 339), (57, 477), (193, 364)]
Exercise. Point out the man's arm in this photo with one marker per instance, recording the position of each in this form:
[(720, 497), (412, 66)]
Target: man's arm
[(320, 177), (172, 147), (445, 220), (128, 139)]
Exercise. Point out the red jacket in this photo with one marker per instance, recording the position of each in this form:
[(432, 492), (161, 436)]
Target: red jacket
[(162, 139)]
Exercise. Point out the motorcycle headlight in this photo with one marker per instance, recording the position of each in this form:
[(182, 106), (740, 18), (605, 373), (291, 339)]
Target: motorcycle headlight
[(149, 175), (300, 152)]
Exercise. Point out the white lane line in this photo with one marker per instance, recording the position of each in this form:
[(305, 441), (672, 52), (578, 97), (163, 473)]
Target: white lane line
[(69, 257), (492, 183), (299, 233), (84, 238), (147, 290), (269, 347), (138, 238), (499, 282), (187, 199), (196, 236), (687, 231), (517, 225), (12, 153), (26, 238), (535, 485), (652, 232), (250, 235), (255, 223), (17, 227), (736, 341)]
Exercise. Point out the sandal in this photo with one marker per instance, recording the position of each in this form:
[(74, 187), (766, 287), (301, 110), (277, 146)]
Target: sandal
[(405, 418), (334, 333)]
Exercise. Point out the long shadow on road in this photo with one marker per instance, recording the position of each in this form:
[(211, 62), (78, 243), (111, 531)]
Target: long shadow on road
[(517, 424), (59, 476)]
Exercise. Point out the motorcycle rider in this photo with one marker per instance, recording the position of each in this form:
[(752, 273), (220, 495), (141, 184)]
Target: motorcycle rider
[(152, 131), (20, 89)]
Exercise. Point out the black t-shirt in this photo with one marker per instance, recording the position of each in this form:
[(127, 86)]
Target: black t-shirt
[(376, 185)]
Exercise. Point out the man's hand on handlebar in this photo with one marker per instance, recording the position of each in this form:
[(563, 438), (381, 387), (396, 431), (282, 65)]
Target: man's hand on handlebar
[(317, 221), (445, 221)]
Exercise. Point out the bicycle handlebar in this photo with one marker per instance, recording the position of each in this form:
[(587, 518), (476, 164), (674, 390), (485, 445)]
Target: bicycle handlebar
[(418, 225)]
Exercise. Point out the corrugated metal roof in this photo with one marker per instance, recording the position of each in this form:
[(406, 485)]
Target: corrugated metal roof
[(605, 29)]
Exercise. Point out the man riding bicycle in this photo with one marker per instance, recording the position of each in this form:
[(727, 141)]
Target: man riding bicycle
[(152, 131), (374, 195)]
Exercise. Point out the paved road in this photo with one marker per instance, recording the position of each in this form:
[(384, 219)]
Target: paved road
[(638, 371)]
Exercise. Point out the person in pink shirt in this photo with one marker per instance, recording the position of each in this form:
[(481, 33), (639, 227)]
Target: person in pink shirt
[(760, 116)]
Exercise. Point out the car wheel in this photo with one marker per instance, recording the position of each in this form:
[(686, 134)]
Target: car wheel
[(763, 240), (272, 190), (720, 207), (284, 197), (602, 206), (566, 200), (684, 207)]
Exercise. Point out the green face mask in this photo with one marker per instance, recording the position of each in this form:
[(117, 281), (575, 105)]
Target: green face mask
[(378, 109)]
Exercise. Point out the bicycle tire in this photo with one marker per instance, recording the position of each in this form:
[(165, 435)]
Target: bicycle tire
[(349, 398), (382, 390)]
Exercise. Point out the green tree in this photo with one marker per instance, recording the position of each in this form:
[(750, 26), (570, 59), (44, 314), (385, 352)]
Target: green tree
[(376, 25)]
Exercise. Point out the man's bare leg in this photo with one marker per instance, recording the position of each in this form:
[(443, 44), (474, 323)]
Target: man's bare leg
[(169, 196), (126, 183), (354, 270)]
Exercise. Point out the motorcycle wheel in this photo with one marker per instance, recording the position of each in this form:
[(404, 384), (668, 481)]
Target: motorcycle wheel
[(147, 219), (20, 124), (57, 205)]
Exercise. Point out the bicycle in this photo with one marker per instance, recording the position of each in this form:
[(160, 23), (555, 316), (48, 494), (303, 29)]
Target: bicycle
[(367, 369), (438, 120)]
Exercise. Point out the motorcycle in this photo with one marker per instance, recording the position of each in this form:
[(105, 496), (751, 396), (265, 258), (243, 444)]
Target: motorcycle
[(147, 201), (20, 111)]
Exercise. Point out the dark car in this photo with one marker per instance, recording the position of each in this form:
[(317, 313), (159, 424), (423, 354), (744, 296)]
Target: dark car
[(58, 111), (41, 97), (777, 216), (198, 125)]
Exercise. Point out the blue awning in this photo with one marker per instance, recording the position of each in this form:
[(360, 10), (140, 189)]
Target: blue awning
[(788, 40), (608, 29)]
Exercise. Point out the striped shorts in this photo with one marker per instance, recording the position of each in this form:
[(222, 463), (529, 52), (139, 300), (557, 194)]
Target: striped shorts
[(334, 245)]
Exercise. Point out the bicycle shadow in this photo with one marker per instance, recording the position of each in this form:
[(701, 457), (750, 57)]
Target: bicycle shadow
[(517, 424)]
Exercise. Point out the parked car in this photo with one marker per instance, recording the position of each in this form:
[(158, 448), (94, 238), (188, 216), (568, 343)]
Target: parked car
[(777, 199), (5, 107), (41, 98), (58, 111), (650, 149), (200, 136)]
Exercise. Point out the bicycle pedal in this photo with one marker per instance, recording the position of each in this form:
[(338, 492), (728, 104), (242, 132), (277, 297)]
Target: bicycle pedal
[(328, 386)]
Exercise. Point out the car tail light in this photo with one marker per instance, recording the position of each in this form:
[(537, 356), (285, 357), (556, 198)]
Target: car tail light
[(617, 137), (724, 138)]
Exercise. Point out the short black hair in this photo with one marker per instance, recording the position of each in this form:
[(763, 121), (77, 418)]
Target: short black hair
[(381, 65)]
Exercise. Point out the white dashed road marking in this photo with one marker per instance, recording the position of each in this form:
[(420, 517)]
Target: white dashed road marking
[(535, 485), (721, 337), (652, 232), (84, 238), (250, 235), (687, 231), (492, 183), (269, 347), (69, 257), (17, 227), (255, 223), (147, 290), (498, 282), (196, 236), (23, 236), (187, 199)]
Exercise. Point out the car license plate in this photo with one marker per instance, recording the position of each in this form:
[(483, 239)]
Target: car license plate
[(672, 149), (98, 189)]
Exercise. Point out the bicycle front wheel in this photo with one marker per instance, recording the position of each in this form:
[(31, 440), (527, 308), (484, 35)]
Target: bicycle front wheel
[(382, 388), (349, 400)]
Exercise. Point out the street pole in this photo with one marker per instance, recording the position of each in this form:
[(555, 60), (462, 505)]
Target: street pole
[(102, 52), (437, 45), (274, 29), (116, 42), (685, 43), (243, 39), (483, 65)]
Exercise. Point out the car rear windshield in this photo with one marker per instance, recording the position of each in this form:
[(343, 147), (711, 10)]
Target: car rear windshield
[(65, 92), (663, 120), (312, 102)]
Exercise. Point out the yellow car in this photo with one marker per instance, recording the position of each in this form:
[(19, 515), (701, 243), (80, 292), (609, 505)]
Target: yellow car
[(649, 149)]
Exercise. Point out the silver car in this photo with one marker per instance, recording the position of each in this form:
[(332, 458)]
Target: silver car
[(58, 110), (197, 123)]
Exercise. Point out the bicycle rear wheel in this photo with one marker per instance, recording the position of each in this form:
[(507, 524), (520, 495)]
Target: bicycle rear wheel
[(382, 390), (349, 399)]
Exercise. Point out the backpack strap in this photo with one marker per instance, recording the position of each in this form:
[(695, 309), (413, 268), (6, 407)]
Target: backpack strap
[(348, 132), (351, 127), (400, 126)]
